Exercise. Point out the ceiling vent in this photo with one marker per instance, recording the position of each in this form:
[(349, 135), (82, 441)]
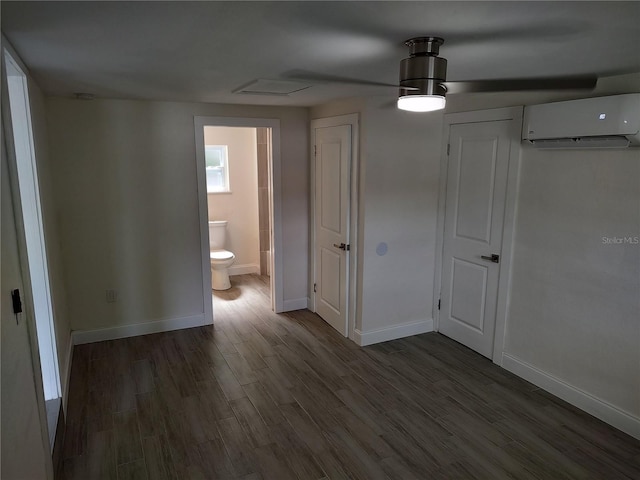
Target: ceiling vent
[(272, 87)]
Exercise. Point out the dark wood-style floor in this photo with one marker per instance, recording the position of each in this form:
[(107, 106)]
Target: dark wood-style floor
[(277, 397)]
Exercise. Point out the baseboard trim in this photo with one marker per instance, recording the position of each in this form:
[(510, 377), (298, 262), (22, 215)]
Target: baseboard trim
[(296, 304), (123, 331), (392, 333), (585, 401), (244, 269), (67, 374)]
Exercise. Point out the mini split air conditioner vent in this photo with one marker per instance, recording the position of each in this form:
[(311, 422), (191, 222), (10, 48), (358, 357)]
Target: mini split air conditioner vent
[(610, 141), (601, 122)]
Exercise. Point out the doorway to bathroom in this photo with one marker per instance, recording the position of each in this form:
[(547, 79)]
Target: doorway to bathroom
[(238, 182)]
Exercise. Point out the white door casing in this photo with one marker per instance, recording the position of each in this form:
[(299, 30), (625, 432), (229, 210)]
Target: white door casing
[(476, 186), (20, 135), (24, 435), (332, 207), (276, 267)]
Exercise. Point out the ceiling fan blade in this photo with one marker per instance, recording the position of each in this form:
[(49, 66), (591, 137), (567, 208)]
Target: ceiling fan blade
[(314, 77), (522, 84)]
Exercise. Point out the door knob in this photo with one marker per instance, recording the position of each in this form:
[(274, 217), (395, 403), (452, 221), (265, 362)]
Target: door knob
[(495, 258), (342, 246)]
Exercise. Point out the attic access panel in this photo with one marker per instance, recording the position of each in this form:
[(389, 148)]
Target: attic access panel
[(263, 86)]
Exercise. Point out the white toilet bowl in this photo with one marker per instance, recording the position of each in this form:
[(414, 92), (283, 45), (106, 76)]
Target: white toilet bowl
[(221, 260)]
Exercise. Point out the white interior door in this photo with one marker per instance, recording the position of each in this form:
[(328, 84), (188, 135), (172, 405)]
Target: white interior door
[(332, 167), (475, 203)]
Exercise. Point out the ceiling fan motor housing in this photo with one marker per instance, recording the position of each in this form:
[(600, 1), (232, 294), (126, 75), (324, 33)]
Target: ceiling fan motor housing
[(424, 71)]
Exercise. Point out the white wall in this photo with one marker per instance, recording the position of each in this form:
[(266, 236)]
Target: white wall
[(575, 300), (399, 165), (239, 206), (125, 185), (400, 186)]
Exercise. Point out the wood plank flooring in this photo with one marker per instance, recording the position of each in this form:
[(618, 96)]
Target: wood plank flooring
[(278, 397)]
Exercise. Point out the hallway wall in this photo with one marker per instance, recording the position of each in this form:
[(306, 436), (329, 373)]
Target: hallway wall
[(126, 192)]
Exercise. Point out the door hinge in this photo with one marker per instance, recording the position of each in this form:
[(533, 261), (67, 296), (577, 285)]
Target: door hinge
[(315, 150), (315, 288), (448, 148), (439, 304)]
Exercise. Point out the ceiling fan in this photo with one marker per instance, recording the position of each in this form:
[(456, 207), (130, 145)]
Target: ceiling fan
[(423, 79)]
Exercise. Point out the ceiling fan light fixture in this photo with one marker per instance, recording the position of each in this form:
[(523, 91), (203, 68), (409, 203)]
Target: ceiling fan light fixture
[(421, 103), (422, 76)]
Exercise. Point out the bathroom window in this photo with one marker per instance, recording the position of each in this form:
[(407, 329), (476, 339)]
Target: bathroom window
[(217, 168)]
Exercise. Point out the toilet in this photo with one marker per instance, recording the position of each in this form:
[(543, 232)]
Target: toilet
[(221, 259)]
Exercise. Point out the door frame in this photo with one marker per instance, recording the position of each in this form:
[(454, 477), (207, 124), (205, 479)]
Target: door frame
[(275, 201), (9, 149), (352, 268), (26, 186), (514, 115)]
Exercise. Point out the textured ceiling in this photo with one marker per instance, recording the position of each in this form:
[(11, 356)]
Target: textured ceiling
[(204, 51)]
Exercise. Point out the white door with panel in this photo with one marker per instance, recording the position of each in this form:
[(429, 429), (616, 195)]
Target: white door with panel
[(475, 204), (332, 177)]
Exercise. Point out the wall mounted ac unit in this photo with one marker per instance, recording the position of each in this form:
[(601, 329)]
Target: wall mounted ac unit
[(601, 122)]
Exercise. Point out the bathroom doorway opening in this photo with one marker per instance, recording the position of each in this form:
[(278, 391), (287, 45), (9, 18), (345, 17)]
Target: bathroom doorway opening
[(33, 254), (238, 165)]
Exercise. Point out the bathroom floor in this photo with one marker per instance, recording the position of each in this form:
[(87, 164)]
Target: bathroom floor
[(265, 396), (244, 288)]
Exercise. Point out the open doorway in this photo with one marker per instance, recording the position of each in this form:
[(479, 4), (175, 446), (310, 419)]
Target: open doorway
[(239, 200), (33, 254)]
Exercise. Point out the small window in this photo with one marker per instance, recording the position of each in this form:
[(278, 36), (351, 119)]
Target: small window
[(217, 167)]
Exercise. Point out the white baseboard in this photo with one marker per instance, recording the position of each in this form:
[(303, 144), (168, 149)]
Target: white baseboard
[(67, 376), (123, 331), (244, 269), (585, 401), (392, 333), (296, 304)]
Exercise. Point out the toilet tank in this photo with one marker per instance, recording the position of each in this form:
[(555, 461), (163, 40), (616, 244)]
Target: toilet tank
[(217, 234)]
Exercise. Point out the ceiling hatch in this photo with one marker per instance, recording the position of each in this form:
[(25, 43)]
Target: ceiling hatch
[(264, 86)]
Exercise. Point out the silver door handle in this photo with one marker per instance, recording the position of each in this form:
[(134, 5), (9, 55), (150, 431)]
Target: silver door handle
[(495, 258), (342, 246)]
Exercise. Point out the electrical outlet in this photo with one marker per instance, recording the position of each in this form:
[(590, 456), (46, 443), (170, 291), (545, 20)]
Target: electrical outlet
[(111, 296)]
